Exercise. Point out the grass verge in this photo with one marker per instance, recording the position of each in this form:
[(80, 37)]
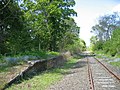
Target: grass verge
[(43, 80), (12, 65), (116, 64)]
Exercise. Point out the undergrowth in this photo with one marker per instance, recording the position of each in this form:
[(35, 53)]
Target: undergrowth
[(43, 80), (116, 64)]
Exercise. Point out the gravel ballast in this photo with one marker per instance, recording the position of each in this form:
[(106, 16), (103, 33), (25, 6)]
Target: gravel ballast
[(76, 79)]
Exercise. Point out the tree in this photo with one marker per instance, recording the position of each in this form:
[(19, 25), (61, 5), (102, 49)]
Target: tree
[(71, 33), (93, 40), (108, 33), (36, 25), (47, 19), (78, 46), (106, 25), (11, 25), (112, 46)]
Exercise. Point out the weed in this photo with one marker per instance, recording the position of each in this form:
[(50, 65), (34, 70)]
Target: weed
[(117, 64)]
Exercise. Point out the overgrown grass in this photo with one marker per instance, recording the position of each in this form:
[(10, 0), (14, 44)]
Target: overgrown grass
[(12, 65), (116, 64), (4, 68), (39, 82), (117, 55), (41, 54), (102, 53), (109, 57), (38, 54), (7, 62), (44, 80)]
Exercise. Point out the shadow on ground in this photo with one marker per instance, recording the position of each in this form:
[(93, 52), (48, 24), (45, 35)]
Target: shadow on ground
[(75, 63)]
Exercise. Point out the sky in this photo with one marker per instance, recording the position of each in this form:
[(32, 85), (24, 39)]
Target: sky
[(88, 11)]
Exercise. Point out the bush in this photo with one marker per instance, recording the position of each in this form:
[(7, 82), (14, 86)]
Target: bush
[(77, 47), (98, 46)]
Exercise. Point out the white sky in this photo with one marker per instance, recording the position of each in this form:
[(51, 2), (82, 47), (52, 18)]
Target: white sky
[(88, 11)]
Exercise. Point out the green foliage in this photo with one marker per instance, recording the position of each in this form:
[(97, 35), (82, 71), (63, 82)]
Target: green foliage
[(49, 22), (35, 25), (117, 64), (5, 68), (111, 46), (117, 55), (107, 34), (77, 47), (40, 54), (97, 46), (13, 32), (53, 53)]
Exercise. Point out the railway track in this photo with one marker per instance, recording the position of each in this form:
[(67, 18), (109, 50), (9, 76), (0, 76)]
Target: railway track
[(100, 77)]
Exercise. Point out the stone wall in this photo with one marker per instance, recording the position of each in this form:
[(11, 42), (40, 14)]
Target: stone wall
[(39, 66)]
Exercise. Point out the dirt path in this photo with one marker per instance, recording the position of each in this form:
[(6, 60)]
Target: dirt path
[(76, 79)]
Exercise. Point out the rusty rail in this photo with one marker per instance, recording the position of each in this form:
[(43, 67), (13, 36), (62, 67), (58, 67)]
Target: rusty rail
[(116, 76), (91, 82)]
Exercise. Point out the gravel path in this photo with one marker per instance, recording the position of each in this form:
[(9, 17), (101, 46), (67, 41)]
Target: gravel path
[(77, 79)]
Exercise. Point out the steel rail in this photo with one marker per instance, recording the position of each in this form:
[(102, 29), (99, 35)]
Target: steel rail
[(116, 76), (91, 82)]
